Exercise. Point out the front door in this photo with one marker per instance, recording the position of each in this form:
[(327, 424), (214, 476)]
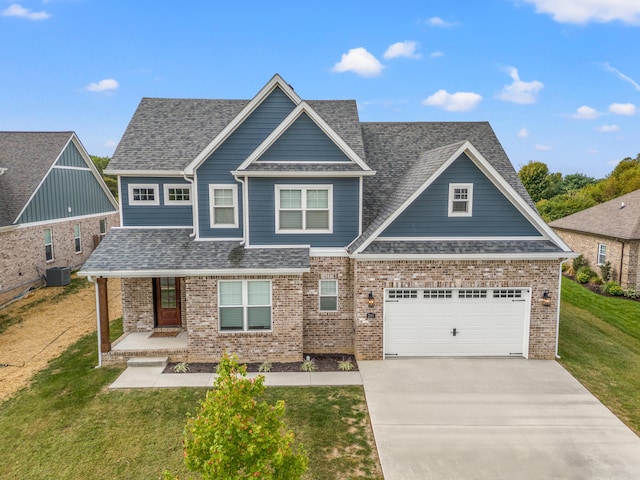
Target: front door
[(166, 291)]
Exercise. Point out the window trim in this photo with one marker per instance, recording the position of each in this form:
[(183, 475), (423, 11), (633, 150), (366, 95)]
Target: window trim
[(155, 201), (245, 305), (220, 186), (320, 296), (603, 255), (185, 186), (452, 200), (77, 239), (103, 221), (304, 188), (48, 244)]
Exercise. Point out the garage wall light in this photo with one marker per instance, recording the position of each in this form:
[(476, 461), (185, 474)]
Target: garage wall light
[(370, 300), (546, 298)]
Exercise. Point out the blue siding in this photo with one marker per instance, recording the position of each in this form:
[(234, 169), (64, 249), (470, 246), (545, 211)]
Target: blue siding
[(262, 213), (71, 157), (154, 215), (65, 189), (304, 141), (493, 214), (240, 144)]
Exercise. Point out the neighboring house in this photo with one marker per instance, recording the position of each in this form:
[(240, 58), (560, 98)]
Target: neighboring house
[(609, 232), (54, 206), (275, 226)]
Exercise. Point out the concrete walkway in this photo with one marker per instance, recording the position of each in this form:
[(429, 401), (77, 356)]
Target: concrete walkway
[(492, 419)]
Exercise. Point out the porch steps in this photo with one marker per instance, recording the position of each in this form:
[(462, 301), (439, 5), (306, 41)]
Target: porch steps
[(148, 362)]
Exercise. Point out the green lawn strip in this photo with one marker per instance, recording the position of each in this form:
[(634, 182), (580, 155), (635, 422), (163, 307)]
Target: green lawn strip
[(66, 424), (600, 346)]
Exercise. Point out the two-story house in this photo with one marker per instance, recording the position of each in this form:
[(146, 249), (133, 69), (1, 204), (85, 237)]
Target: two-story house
[(276, 226)]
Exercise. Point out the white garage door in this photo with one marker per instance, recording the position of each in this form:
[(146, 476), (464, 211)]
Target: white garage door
[(462, 322)]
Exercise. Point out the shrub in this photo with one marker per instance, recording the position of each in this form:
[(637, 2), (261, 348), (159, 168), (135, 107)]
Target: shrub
[(608, 285), (631, 293), (605, 271), (309, 365), (616, 290), (578, 263), (182, 367), (596, 280), (345, 365), (265, 367), (233, 436), (584, 275)]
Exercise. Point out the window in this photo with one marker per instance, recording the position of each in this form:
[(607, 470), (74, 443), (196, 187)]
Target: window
[(103, 227), (244, 305), (507, 294), (602, 254), (437, 293), (393, 294), (143, 194), (472, 294), (224, 206), (179, 194), (304, 209), (48, 244), (328, 295), (76, 238), (460, 199)]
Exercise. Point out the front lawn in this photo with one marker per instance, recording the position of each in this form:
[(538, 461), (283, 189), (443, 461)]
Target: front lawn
[(68, 425), (600, 345)]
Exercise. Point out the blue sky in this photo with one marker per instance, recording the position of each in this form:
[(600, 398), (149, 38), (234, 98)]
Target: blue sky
[(559, 80)]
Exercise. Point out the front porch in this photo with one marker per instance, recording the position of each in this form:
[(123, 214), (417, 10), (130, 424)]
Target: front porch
[(145, 345)]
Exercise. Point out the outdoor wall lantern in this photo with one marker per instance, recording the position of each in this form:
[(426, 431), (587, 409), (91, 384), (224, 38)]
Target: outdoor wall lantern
[(370, 300), (546, 298)]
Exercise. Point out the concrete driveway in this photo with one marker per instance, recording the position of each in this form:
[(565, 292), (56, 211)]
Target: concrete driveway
[(492, 419)]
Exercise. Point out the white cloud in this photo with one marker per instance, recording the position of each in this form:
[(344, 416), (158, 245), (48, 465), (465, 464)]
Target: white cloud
[(519, 91), (586, 113), (17, 10), (453, 102), (585, 11), (523, 133), (402, 49), (103, 85), (621, 75), (436, 54), (438, 22), (608, 128), (543, 148), (110, 143), (359, 61), (622, 108)]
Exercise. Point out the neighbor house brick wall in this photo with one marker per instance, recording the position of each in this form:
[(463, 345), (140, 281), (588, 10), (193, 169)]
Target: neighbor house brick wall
[(328, 332), (22, 256), (375, 276), (624, 259)]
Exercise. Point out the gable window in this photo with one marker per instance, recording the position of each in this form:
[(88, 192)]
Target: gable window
[(304, 209), (76, 238), (144, 194), (460, 199), (179, 194), (48, 244), (244, 305), (602, 254), (103, 227), (224, 206), (328, 295)]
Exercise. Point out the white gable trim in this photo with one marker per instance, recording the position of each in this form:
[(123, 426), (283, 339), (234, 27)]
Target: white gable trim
[(276, 81), (303, 107), (491, 173)]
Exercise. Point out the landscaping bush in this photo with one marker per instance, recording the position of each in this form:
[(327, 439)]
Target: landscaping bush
[(605, 271), (631, 293), (584, 274), (578, 263), (606, 288)]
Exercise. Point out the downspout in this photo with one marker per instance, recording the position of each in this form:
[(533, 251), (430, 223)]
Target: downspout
[(95, 284), (193, 204), (621, 260), (245, 211), (558, 309)]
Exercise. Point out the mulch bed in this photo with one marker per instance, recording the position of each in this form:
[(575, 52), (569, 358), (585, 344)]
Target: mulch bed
[(325, 363)]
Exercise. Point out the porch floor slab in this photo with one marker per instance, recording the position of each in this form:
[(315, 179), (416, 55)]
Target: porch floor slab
[(141, 341)]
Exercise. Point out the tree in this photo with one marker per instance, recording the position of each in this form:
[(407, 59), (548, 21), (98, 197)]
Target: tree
[(574, 182), (234, 436), (111, 181), (538, 181)]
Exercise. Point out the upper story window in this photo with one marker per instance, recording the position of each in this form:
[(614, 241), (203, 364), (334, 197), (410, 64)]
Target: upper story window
[(602, 254), (76, 238), (103, 227), (244, 305), (144, 194), (460, 199), (224, 206), (179, 194), (48, 244), (328, 295), (304, 209)]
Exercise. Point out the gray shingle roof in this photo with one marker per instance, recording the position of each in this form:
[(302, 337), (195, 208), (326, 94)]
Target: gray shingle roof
[(303, 167), (609, 219), (462, 247), (139, 250), (27, 156)]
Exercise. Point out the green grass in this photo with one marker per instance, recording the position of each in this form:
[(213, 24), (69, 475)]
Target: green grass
[(68, 425), (600, 345)]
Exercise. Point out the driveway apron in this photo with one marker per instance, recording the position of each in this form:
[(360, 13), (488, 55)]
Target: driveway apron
[(490, 418)]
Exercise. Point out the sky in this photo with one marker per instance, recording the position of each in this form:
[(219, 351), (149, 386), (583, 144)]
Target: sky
[(559, 80)]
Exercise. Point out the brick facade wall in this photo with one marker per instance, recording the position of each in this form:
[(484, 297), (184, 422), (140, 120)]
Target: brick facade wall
[(22, 256), (625, 268)]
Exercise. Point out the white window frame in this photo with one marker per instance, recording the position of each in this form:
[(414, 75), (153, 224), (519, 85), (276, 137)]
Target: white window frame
[(321, 296), (103, 222), (245, 306), (602, 253), (469, 200), (304, 189), (182, 186), (77, 238), (223, 186), (48, 244), (154, 186)]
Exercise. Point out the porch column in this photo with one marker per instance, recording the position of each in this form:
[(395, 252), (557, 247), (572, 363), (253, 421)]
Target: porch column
[(103, 309)]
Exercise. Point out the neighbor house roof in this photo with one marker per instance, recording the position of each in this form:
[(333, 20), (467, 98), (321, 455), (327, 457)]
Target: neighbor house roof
[(27, 157), (617, 218)]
